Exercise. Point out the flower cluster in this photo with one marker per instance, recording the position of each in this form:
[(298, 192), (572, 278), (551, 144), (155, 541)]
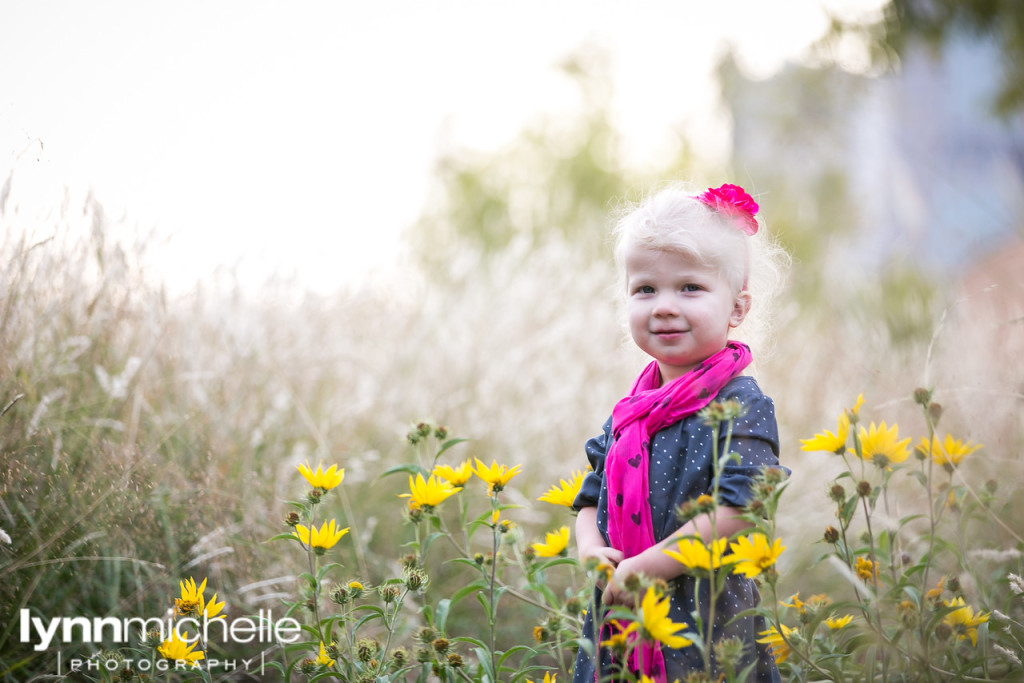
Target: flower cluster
[(732, 200)]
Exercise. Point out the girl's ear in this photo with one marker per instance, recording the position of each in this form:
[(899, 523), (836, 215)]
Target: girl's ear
[(740, 308)]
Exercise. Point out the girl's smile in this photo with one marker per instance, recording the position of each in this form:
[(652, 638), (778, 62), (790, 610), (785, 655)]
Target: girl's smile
[(680, 310)]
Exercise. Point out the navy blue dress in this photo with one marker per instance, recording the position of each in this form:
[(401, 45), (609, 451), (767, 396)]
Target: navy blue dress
[(681, 469)]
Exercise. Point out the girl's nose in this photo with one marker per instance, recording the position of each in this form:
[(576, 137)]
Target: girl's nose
[(665, 306)]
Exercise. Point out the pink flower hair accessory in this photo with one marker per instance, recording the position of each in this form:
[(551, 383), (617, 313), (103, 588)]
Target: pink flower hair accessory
[(732, 200)]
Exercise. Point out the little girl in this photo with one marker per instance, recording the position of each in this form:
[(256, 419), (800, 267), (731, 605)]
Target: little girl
[(688, 264)]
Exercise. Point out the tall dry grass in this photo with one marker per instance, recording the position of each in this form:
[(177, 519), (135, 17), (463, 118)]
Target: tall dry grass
[(153, 436)]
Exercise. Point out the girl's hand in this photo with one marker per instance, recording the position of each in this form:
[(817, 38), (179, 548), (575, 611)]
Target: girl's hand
[(604, 555), (615, 593)]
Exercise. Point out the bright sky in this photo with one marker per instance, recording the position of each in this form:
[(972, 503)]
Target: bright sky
[(301, 135)]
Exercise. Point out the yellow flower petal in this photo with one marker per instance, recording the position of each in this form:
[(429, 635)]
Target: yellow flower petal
[(565, 492), (555, 543), (752, 554), (322, 479)]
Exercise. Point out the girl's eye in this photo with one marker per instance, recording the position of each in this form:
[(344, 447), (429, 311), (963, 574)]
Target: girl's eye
[(691, 288), (645, 289)]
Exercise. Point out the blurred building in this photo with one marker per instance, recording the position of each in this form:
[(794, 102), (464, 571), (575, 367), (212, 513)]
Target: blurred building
[(913, 165)]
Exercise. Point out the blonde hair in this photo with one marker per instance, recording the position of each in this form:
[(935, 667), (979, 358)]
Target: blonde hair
[(673, 219)]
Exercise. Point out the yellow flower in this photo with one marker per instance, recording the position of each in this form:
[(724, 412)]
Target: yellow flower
[(778, 642), (548, 678), (752, 554), (693, 554), (796, 603), (212, 609), (836, 623), (322, 659), (565, 492), (320, 539), (949, 452), (866, 569), (456, 476), (321, 479), (428, 494), (882, 445), (818, 601), (496, 475), (963, 620), (855, 410), (655, 624), (618, 639), (829, 442), (193, 603), (555, 543), (178, 649)]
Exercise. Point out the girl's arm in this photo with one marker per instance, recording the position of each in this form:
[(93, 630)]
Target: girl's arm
[(589, 541), (655, 564)]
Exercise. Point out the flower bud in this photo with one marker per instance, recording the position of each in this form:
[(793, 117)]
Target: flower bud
[(339, 594), (540, 633), (632, 583), (935, 412), (729, 651), (705, 503), (686, 511), (837, 493), (454, 660), (366, 648), (415, 579), (943, 630), (864, 488), (831, 535), (153, 638), (441, 433), (922, 396), (388, 592), (308, 666), (573, 606), (292, 518)]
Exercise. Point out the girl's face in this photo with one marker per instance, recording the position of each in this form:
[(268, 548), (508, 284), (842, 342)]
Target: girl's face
[(680, 310)]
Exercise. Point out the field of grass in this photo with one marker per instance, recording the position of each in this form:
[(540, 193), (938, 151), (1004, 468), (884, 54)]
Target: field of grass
[(148, 437)]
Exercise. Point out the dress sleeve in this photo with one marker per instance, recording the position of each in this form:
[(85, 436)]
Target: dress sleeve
[(755, 437), (597, 451)]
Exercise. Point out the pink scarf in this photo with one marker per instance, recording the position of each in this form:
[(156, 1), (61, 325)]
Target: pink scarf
[(647, 409)]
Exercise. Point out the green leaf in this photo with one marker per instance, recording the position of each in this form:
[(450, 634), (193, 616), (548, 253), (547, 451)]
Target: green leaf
[(474, 587), (326, 568), (409, 468), (849, 507), (441, 615), (448, 444), (285, 537)]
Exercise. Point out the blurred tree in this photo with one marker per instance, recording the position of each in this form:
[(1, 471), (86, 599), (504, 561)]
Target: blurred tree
[(935, 22), (558, 178)]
